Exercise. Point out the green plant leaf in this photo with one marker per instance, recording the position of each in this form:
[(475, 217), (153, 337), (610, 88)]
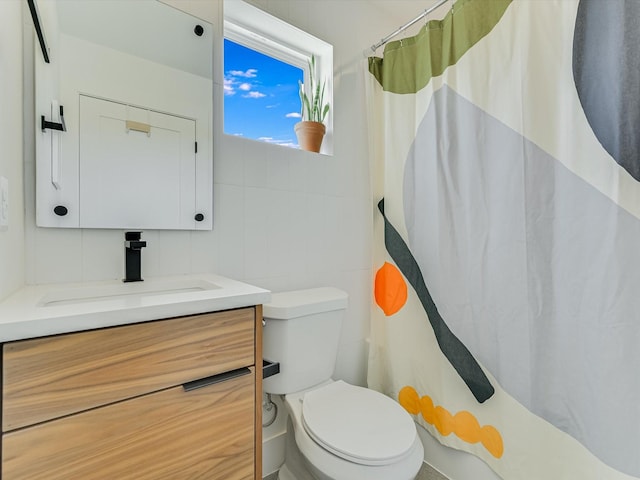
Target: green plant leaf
[(324, 112), (312, 103), (301, 94), (316, 104)]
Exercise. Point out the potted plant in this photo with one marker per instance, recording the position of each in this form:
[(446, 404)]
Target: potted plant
[(310, 131)]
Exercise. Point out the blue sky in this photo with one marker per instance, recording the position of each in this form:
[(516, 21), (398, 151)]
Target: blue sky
[(261, 99)]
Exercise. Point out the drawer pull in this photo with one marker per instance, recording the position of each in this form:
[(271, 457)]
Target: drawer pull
[(213, 379)]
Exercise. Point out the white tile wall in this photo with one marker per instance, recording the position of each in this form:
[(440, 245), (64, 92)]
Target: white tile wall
[(229, 225), (99, 248), (58, 256)]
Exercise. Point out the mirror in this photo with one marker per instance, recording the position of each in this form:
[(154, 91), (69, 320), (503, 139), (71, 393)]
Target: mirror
[(124, 113)]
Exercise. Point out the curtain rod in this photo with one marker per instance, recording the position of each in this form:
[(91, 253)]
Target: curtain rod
[(407, 25)]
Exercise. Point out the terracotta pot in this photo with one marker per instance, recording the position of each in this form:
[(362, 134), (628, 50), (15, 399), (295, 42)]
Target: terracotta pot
[(310, 135)]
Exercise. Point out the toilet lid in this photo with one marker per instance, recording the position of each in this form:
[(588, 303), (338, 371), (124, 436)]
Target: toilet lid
[(358, 424)]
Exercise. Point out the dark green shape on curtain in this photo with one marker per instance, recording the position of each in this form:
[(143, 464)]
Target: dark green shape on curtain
[(410, 63), (450, 345)]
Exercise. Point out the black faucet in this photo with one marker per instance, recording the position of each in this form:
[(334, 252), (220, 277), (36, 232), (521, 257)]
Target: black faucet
[(132, 249)]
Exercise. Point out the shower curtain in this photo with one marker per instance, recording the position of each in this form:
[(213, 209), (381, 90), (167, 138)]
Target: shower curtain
[(506, 160)]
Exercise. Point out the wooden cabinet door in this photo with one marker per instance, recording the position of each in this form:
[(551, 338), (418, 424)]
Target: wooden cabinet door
[(51, 377), (174, 434)]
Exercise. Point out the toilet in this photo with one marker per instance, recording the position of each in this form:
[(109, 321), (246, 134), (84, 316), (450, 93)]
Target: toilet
[(335, 431)]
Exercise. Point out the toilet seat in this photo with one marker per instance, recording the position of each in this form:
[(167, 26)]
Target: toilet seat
[(357, 424)]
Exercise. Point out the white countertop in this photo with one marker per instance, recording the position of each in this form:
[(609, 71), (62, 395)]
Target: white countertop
[(39, 310)]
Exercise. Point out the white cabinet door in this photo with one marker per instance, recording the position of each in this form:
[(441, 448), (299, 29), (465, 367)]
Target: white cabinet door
[(137, 168)]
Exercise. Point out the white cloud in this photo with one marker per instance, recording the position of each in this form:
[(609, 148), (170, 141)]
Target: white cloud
[(293, 115), (274, 141), (250, 73), (289, 144), (228, 87), (231, 82), (254, 94)]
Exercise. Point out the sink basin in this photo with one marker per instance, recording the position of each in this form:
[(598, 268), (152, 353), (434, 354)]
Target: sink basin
[(40, 310), (125, 290)]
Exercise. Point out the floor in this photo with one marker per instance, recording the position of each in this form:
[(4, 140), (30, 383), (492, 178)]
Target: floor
[(425, 473), (429, 473)]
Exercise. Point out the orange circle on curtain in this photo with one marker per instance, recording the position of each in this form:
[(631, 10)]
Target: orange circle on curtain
[(409, 399), (390, 289)]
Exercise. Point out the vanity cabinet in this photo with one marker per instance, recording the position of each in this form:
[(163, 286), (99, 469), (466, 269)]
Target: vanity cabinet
[(169, 399)]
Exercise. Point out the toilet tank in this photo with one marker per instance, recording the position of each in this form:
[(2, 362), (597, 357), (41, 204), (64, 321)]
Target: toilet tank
[(302, 333)]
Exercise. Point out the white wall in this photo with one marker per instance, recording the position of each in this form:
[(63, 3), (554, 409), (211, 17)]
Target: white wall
[(11, 240)]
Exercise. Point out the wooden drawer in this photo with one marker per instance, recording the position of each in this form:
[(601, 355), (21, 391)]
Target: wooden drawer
[(55, 376), (174, 434)]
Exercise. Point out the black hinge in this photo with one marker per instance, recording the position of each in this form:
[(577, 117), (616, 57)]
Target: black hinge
[(196, 147)]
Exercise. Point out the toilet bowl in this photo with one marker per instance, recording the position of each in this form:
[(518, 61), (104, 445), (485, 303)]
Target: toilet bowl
[(345, 432), (335, 431)]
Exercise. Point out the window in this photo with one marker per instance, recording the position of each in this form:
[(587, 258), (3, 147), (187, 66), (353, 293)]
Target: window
[(261, 95), (264, 59)]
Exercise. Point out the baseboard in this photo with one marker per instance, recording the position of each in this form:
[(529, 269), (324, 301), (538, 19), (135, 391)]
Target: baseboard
[(273, 448)]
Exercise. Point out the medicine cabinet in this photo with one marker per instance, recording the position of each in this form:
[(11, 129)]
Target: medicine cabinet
[(124, 135)]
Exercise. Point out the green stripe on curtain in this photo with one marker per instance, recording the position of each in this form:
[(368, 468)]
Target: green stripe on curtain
[(439, 44)]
